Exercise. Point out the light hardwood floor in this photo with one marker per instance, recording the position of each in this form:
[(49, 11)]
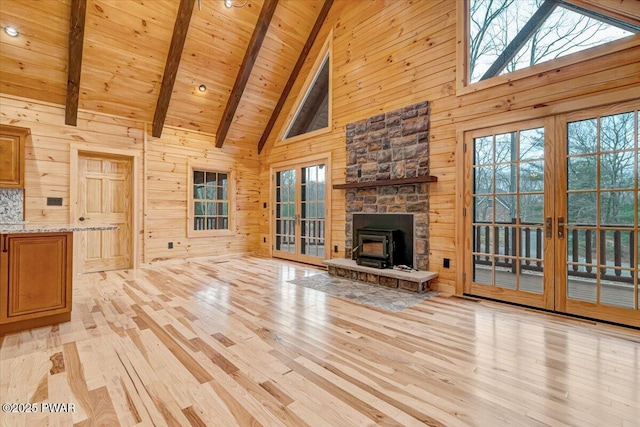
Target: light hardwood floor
[(225, 343)]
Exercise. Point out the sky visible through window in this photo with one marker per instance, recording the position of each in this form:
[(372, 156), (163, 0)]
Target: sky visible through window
[(494, 24)]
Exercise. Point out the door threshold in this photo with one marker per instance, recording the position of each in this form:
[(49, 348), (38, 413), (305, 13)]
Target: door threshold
[(585, 319)]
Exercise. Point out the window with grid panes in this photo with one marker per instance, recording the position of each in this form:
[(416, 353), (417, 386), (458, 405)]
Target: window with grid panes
[(210, 200)]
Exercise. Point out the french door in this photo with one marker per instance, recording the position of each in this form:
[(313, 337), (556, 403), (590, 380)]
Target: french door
[(300, 212), (552, 213)]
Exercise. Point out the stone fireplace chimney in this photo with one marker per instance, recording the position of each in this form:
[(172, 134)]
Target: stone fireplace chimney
[(390, 146)]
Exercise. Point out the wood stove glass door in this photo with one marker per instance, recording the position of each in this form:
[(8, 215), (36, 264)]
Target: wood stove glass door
[(300, 213)]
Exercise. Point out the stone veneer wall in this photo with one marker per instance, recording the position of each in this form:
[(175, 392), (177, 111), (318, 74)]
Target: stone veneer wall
[(11, 205), (392, 145)]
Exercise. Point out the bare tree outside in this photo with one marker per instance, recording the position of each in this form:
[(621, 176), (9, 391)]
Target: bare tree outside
[(493, 24), (602, 182)]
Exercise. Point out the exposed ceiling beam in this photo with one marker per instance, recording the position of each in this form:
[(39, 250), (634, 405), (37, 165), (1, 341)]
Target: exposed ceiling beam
[(185, 10), (521, 38), (250, 56), (296, 70), (76, 41)]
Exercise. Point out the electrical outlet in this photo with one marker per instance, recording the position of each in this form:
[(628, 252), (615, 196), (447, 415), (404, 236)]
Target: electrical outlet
[(446, 262), (170, 245)]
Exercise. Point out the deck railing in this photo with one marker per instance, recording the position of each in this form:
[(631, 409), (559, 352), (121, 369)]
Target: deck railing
[(616, 251)]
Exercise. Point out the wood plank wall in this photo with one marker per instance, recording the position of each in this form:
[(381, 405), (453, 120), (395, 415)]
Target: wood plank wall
[(389, 54), (162, 192), (47, 153), (166, 192)]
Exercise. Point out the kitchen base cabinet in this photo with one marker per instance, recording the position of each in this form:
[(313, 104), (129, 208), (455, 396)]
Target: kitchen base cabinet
[(35, 280)]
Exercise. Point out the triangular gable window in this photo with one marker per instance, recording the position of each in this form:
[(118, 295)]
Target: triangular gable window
[(509, 35), (313, 113), (313, 110)]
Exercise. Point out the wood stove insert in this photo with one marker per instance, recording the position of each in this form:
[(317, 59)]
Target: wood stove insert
[(376, 247)]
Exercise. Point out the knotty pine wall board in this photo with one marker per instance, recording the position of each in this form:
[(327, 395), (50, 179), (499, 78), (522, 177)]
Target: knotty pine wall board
[(47, 174), (388, 55), (167, 191)]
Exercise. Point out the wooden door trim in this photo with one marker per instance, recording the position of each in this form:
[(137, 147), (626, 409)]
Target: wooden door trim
[(299, 163), (75, 150), (463, 246)]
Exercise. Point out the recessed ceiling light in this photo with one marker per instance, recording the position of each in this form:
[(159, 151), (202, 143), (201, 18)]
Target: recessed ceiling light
[(11, 31), (232, 3), (202, 88)]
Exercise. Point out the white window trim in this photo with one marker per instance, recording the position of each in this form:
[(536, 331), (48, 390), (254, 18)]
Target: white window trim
[(231, 192), (462, 72)]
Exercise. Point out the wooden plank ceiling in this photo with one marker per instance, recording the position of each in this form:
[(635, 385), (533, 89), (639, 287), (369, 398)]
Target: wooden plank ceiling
[(125, 50)]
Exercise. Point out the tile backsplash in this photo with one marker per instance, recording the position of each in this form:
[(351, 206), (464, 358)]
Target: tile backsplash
[(11, 205)]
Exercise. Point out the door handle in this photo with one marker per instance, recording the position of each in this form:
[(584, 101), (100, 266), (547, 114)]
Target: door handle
[(548, 227), (83, 218), (561, 227)]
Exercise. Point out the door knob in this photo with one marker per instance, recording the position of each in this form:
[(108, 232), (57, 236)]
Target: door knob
[(83, 218), (561, 225)]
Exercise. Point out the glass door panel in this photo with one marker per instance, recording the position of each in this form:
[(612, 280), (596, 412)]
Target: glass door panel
[(600, 204), (285, 212), (508, 214), (313, 211)]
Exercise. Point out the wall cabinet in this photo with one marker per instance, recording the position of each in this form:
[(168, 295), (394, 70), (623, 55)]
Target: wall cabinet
[(12, 141), (35, 280)]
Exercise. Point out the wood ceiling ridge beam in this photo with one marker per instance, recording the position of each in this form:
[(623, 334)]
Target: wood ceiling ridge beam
[(259, 33), (76, 42), (183, 18), (296, 70)]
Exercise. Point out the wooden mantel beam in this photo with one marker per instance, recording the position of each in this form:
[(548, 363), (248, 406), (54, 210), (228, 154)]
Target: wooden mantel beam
[(296, 70), (250, 56), (185, 10), (76, 41)]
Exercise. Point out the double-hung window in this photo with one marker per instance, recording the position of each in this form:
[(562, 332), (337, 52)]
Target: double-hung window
[(210, 201)]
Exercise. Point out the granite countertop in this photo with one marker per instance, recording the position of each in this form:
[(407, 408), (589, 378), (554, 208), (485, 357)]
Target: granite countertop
[(13, 228)]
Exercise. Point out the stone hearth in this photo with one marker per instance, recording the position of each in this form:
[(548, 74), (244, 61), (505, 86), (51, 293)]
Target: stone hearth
[(416, 281)]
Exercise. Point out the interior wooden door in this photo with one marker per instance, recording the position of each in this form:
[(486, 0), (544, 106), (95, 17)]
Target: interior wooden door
[(300, 213), (597, 212), (508, 213), (104, 197)]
